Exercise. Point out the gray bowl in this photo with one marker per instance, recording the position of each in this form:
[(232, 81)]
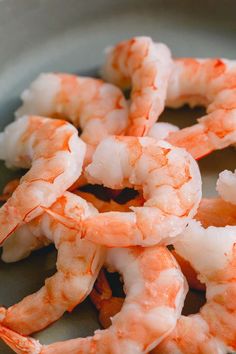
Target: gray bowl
[(57, 35)]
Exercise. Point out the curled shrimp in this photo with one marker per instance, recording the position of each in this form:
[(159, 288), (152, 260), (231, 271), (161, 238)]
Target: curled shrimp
[(78, 264), (146, 66), (211, 83), (162, 172), (55, 153), (24, 241), (109, 305), (155, 290), (91, 104), (212, 253)]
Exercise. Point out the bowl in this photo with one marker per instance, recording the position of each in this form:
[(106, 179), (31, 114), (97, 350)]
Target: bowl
[(54, 35)]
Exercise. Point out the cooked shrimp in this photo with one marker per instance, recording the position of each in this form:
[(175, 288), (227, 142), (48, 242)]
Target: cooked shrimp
[(24, 241), (202, 82), (21, 243), (226, 186), (146, 66), (216, 212), (161, 130), (211, 83), (162, 172), (9, 189), (212, 253), (91, 104), (78, 264), (215, 131), (211, 212), (55, 153), (155, 290), (189, 273), (105, 206), (107, 305)]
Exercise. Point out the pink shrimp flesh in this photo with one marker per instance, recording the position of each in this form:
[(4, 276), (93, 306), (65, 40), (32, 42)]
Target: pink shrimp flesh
[(78, 264), (162, 172), (91, 104), (155, 290), (53, 152), (146, 66), (212, 253), (211, 83)]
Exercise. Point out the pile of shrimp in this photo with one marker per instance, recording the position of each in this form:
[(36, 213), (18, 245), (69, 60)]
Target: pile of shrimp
[(116, 191)]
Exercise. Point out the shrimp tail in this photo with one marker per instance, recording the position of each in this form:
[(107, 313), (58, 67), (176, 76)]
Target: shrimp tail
[(19, 343)]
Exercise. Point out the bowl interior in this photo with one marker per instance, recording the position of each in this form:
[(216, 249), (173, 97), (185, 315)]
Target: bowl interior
[(70, 36)]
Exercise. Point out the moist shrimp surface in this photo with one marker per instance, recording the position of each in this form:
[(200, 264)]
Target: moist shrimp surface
[(155, 290), (78, 264), (226, 186), (212, 254), (145, 66), (91, 104), (216, 212), (211, 83), (162, 172), (53, 152), (24, 241)]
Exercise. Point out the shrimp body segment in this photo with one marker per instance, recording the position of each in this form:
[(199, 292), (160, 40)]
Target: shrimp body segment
[(226, 186), (155, 290), (146, 67), (78, 264), (161, 130), (91, 104), (216, 212), (53, 152), (202, 82), (211, 83), (212, 253), (23, 241), (162, 172)]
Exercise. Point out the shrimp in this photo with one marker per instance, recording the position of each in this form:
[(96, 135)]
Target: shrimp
[(9, 189), (55, 153), (109, 305), (213, 132), (226, 186), (211, 212), (21, 243), (161, 130), (212, 253), (155, 290), (91, 104), (24, 241), (105, 303), (211, 83), (146, 66), (105, 206), (162, 172), (78, 264), (189, 273), (216, 212)]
